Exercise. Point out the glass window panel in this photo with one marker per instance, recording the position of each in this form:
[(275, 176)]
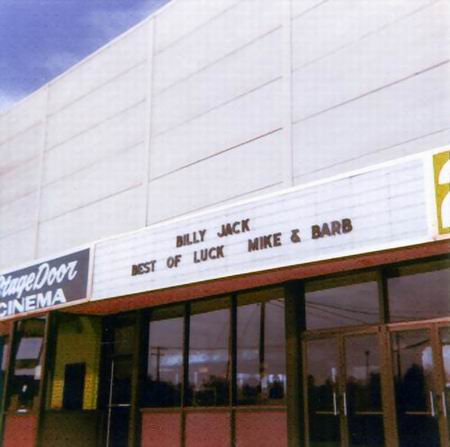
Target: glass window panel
[(261, 377), (419, 291), (123, 330), (414, 367), (445, 341), (345, 301), (4, 358), (209, 362), (165, 360), (121, 386), (322, 370), (363, 391), (27, 364)]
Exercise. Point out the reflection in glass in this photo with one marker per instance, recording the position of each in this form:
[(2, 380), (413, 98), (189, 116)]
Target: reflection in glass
[(118, 343), (123, 333), (419, 291), (165, 360), (121, 387), (209, 362), (322, 376), (261, 376), (414, 392), (27, 364), (346, 301), (363, 391)]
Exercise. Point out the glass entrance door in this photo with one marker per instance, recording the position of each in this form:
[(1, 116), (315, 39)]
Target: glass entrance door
[(363, 408), (344, 404), (323, 392), (118, 416), (421, 371), (118, 352)]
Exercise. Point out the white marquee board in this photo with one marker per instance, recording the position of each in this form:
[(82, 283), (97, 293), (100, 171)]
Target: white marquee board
[(388, 206)]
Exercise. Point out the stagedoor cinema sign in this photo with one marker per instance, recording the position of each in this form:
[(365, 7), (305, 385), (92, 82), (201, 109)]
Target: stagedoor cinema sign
[(45, 285)]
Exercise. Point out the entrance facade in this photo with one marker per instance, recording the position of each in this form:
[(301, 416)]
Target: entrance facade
[(379, 386), (355, 359)]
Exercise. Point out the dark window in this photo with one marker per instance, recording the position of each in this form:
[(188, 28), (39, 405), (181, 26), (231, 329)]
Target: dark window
[(345, 301), (74, 375), (261, 377), (419, 291), (27, 364), (123, 330), (4, 358), (209, 362), (165, 358)]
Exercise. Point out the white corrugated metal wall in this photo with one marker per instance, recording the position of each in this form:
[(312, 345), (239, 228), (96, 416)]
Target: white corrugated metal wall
[(206, 102)]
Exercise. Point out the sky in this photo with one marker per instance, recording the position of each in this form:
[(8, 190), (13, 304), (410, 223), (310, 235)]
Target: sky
[(39, 39)]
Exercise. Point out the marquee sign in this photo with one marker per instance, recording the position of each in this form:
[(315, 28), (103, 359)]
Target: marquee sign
[(45, 285), (441, 170), (375, 209), (396, 204)]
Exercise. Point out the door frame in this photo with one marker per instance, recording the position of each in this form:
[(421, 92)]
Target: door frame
[(439, 402), (108, 359), (383, 332), (340, 336)]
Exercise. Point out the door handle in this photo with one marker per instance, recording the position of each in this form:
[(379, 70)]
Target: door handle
[(335, 408), (344, 402), (444, 404), (433, 410)]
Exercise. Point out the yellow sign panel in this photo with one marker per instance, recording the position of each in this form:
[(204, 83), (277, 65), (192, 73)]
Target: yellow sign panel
[(441, 164)]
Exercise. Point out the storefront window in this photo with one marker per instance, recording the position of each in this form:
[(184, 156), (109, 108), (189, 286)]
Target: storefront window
[(209, 360), (27, 365), (345, 301), (261, 377), (165, 358), (419, 291)]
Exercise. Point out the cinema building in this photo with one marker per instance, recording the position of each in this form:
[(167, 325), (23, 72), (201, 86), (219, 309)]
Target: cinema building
[(230, 227)]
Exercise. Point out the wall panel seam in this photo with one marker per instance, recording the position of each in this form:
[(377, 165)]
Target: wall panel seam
[(95, 89), (17, 198), (368, 154), (111, 155), (149, 118), (86, 205), (194, 30), (366, 35), (43, 141), (218, 106), (93, 126), (16, 231), (287, 96), (20, 132), (223, 151), (306, 11), (217, 203), (11, 167), (376, 90), (217, 61)]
